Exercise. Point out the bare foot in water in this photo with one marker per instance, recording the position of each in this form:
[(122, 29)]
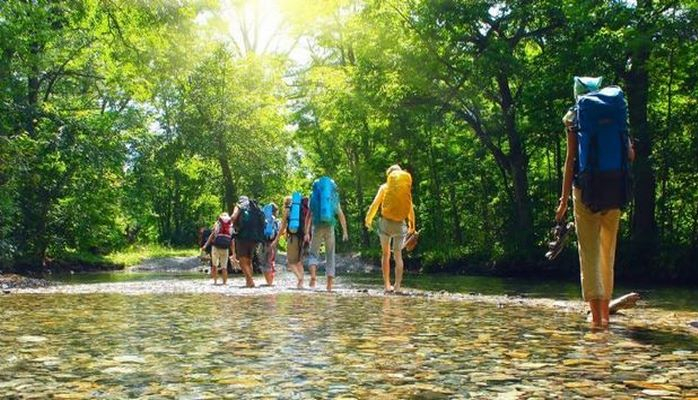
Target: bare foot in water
[(600, 327), (313, 282)]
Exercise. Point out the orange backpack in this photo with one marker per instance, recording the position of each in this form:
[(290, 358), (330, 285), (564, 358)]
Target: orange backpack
[(397, 201)]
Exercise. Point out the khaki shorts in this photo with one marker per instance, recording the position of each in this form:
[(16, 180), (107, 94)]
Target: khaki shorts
[(294, 249), (392, 230), (219, 257)]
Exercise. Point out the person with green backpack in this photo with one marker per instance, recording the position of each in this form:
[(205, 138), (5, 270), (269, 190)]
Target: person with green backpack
[(598, 178), (249, 224), (324, 212)]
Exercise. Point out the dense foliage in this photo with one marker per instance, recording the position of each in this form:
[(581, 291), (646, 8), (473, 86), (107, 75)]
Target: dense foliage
[(138, 121)]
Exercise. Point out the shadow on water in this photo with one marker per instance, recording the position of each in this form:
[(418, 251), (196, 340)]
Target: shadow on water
[(668, 298), (666, 340)]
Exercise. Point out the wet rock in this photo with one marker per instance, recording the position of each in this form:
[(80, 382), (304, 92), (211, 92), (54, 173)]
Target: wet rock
[(657, 393), (31, 339), (14, 281), (130, 359)]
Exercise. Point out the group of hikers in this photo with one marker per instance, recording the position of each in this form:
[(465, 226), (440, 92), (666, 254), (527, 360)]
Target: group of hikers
[(308, 222), (596, 175)]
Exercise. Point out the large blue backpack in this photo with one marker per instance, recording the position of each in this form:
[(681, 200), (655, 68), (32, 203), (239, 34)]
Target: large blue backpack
[(294, 217), (602, 149), (270, 225), (324, 200)]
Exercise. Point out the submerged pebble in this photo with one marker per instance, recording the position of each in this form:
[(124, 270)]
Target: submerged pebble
[(191, 339)]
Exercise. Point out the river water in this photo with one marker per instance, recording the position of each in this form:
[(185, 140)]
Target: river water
[(93, 342)]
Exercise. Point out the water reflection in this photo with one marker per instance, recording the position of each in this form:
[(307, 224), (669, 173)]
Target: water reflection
[(304, 345)]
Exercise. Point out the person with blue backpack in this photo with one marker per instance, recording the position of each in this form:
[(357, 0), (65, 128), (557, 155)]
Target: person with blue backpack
[(292, 227), (271, 239), (597, 175), (324, 213)]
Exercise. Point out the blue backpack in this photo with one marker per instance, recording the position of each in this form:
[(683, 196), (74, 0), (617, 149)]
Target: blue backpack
[(324, 200), (294, 217), (602, 149), (271, 228)]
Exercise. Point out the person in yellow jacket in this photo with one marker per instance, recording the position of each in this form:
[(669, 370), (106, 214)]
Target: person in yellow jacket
[(395, 200)]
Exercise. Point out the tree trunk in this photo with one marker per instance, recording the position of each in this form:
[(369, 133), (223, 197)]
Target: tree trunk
[(360, 202), (644, 230), (33, 86), (229, 195), (523, 228), (436, 190), (455, 215)]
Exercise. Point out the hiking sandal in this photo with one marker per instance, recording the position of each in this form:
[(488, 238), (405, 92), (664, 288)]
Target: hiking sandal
[(560, 233)]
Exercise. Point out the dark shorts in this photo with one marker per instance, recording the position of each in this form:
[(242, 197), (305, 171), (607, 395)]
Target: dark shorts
[(244, 248)]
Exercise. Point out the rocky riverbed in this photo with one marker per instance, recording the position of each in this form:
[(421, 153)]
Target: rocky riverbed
[(8, 282), (189, 338), (644, 316)]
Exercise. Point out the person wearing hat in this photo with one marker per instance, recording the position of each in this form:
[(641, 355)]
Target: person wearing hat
[(596, 230), (221, 238), (244, 246)]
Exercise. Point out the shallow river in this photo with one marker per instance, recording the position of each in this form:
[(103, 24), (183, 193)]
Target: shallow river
[(285, 344)]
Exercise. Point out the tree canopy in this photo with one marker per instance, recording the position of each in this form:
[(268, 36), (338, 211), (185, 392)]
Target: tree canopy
[(139, 121)]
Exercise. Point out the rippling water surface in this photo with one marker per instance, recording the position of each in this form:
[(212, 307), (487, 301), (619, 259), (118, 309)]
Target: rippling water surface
[(305, 345)]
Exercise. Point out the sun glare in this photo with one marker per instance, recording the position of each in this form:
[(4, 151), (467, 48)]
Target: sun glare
[(259, 26)]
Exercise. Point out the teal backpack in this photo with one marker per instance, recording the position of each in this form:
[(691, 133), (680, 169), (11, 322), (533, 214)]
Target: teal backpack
[(294, 217), (324, 200)]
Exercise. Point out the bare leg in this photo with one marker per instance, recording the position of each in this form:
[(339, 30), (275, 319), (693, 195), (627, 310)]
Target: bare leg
[(225, 273), (246, 265), (605, 318), (269, 259), (214, 273), (399, 266), (298, 270), (385, 264), (330, 281), (313, 275), (294, 268), (269, 277), (595, 306)]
